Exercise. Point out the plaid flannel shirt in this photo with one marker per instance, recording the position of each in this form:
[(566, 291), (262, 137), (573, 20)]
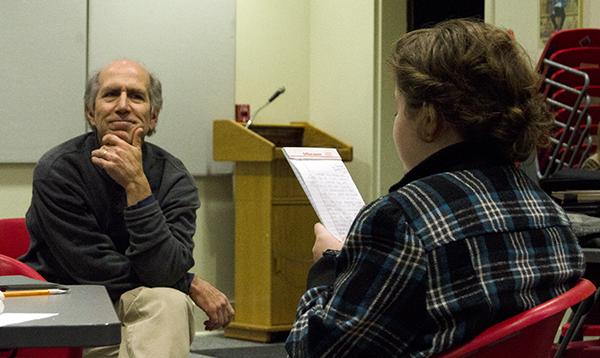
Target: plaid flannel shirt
[(437, 261)]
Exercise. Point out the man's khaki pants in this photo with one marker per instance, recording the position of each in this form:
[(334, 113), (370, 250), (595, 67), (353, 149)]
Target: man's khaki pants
[(155, 322)]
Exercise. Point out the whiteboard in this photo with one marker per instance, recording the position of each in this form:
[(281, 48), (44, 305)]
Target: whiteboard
[(42, 76), (190, 46)]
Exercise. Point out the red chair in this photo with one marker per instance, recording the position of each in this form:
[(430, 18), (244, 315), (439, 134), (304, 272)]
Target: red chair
[(570, 98), (14, 238), (572, 80), (578, 57), (529, 334), (569, 104), (569, 148), (569, 39), (10, 266), (580, 328)]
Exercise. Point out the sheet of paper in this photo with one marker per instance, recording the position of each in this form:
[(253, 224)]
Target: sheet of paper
[(328, 186), (14, 318)]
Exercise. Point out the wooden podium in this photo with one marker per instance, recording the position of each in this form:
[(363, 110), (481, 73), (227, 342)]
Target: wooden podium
[(273, 223)]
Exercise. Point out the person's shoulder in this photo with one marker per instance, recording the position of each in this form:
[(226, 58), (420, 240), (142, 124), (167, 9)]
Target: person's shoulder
[(171, 161), (387, 210), (504, 183), (62, 153), (454, 184), (504, 195)]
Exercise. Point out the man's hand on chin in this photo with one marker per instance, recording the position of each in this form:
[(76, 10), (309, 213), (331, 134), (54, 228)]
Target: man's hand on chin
[(122, 161)]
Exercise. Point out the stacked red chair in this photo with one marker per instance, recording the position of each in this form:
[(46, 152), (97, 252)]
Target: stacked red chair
[(570, 66)]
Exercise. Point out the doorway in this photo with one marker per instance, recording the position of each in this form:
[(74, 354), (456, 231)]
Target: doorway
[(426, 13)]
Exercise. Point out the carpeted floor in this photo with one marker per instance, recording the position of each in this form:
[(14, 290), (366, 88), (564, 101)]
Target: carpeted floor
[(214, 344)]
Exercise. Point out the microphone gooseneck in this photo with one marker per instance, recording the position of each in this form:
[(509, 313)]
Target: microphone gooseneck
[(277, 93)]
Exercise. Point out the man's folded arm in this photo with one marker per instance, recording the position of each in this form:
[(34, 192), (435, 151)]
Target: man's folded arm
[(161, 236), (59, 219)]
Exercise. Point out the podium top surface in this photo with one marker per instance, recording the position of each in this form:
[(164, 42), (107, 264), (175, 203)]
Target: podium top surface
[(263, 142)]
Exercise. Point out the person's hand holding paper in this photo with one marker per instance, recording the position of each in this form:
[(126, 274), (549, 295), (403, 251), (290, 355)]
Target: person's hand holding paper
[(325, 240)]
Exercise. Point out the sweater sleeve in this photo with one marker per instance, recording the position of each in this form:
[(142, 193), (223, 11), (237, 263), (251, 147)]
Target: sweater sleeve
[(78, 250), (161, 233), (373, 306)]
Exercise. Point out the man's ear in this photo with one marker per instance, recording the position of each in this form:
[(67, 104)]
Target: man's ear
[(89, 115), (153, 119)]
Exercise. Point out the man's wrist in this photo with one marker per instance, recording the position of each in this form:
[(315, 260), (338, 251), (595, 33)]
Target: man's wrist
[(137, 192), (144, 202)]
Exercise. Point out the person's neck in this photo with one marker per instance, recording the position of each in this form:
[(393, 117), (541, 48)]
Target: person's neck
[(434, 146)]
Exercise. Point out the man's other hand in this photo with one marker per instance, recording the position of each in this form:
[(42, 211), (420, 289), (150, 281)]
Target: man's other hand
[(213, 302)]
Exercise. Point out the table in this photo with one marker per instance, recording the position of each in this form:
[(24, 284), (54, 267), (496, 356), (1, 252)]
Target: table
[(86, 318), (591, 255)]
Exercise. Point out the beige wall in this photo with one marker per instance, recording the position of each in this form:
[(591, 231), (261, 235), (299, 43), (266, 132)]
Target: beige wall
[(390, 22), (342, 78), (15, 189), (272, 50)]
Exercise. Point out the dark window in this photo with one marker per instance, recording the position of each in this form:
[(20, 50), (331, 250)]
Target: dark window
[(426, 13)]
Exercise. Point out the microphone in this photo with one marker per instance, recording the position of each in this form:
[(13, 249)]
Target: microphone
[(277, 93)]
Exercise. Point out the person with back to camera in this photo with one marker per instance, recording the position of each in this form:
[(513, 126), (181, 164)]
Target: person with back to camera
[(110, 209), (465, 239)]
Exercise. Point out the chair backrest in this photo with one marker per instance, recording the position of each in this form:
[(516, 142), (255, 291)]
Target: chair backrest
[(572, 80), (528, 334), (578, 57), (570, 39), (11, 266), (569, 104), (14, 238), (569, 98)]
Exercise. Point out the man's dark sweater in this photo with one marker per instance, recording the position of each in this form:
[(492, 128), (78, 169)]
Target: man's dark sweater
[(82, 231)]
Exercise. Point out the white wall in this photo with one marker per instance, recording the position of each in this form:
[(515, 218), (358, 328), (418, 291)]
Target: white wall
[(342, 79), (522, 16), (591, 13), (322, 51), (272, 50), (40, 86)]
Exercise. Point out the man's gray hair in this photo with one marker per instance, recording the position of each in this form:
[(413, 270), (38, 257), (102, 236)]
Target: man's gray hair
[(154, 91)]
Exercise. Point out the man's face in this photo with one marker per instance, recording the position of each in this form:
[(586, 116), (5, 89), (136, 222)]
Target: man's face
[(123, 102)]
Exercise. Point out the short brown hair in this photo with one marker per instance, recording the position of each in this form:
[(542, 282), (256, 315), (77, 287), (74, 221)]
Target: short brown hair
[(477, 78)]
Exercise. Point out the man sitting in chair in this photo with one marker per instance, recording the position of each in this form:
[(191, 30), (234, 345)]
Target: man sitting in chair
[(110, 209)]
